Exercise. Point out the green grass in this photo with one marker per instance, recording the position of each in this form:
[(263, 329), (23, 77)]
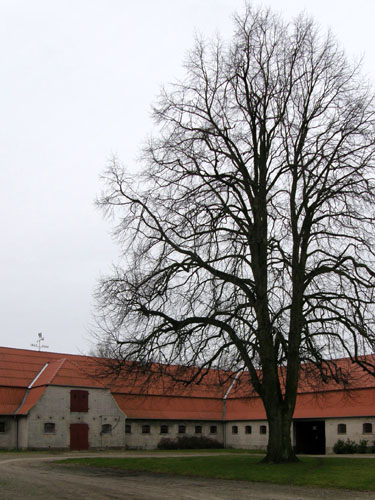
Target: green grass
[(354, 474), (224, 451)]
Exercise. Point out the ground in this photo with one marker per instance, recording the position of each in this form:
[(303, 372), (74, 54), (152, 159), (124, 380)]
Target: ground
[(35, 476)]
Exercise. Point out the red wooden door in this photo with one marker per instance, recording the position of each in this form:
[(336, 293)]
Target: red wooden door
[(79, 436)]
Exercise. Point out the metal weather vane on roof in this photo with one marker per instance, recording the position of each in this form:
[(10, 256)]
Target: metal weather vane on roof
[(38, 343)]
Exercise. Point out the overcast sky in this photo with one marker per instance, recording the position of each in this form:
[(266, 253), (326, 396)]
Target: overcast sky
[(77, 78)]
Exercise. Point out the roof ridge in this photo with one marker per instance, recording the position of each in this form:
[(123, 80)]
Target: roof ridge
[(34, 352)]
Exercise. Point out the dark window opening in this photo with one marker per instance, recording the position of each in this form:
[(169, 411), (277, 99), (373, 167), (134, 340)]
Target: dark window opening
[(79, 400), (248, 429), (367, 428), (164, 429), (263, 429), (2, 426), (213, 429), (181, 429), (106, 429), (341, 429), (49, 428), (128, 429), (234, 429), (198, 429), (145, 429)]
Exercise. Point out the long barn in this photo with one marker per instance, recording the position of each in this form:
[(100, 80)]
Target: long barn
[(58, 401)]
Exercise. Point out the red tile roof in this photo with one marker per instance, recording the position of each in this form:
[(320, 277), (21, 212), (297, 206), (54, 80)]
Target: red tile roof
[(67, 372), (32, 397), (21, 369), (169, 407), (354, 403), (10, 399), (212, 386)]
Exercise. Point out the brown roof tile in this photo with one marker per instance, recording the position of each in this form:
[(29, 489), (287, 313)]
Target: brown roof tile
[(10, 399), (164, 407), (32, 397)]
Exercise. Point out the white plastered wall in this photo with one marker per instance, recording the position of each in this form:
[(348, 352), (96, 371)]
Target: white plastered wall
[(8, 438), (137, 440), (253, 441), (54, 407), (354, 431)]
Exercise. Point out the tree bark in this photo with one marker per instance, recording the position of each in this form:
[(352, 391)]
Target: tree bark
[(279, 449)]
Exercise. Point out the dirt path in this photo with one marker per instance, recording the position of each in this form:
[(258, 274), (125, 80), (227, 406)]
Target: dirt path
[(36, 477)]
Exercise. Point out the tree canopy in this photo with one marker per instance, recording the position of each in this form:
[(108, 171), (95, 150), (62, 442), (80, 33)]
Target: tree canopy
[(248, 237)]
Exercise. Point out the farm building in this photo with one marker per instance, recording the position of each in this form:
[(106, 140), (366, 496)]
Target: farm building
[(51, 400)]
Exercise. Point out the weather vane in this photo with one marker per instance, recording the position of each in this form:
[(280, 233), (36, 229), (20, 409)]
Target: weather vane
[(38, 343)]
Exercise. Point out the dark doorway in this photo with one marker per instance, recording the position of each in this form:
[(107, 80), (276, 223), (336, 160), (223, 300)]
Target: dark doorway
[(310, 437), (79, 436)]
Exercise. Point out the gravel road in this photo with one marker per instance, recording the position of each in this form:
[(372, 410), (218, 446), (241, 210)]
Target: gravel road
[(30, 477)]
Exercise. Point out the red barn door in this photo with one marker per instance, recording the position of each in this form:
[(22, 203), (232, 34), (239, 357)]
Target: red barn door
[(79, 436)]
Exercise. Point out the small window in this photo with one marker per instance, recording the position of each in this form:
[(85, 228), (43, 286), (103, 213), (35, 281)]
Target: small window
[(248, 429), (367, 428), (164, 429), (106, 429), (145, 429), (181, 429), (341, 429), (198, 429), (49, 428), (2, 426), (213, 429), (234, 429), (128, 429), (263, 429)]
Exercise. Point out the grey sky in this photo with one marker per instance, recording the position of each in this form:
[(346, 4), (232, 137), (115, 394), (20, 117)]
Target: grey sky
[(77, 79)]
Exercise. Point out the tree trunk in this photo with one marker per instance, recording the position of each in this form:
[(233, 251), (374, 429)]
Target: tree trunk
[(279, 449)]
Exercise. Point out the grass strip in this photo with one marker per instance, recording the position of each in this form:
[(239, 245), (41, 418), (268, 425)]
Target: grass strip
[(354, 474)]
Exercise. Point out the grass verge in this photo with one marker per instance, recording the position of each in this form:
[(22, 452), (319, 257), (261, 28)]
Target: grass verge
[(354, 474)]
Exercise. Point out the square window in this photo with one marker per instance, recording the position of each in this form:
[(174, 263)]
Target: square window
[(234, 429), (2, 426), (263, 429), (145, 429), (367, 428), (213, 429), (248, 429), (164, 429), (128, 429), (181, 429), (106, 429), (198, 429), (49, 428)]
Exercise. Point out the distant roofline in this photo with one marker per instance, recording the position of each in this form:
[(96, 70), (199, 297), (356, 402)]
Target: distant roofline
[(48, 352)]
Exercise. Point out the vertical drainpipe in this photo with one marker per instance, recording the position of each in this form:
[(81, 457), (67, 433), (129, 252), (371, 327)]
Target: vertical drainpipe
[(225, 409), (125, 436), (16, 420), (224, 426), (101, 433)]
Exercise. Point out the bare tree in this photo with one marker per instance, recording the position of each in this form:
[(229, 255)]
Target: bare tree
[(249, 235), (104, 348)]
